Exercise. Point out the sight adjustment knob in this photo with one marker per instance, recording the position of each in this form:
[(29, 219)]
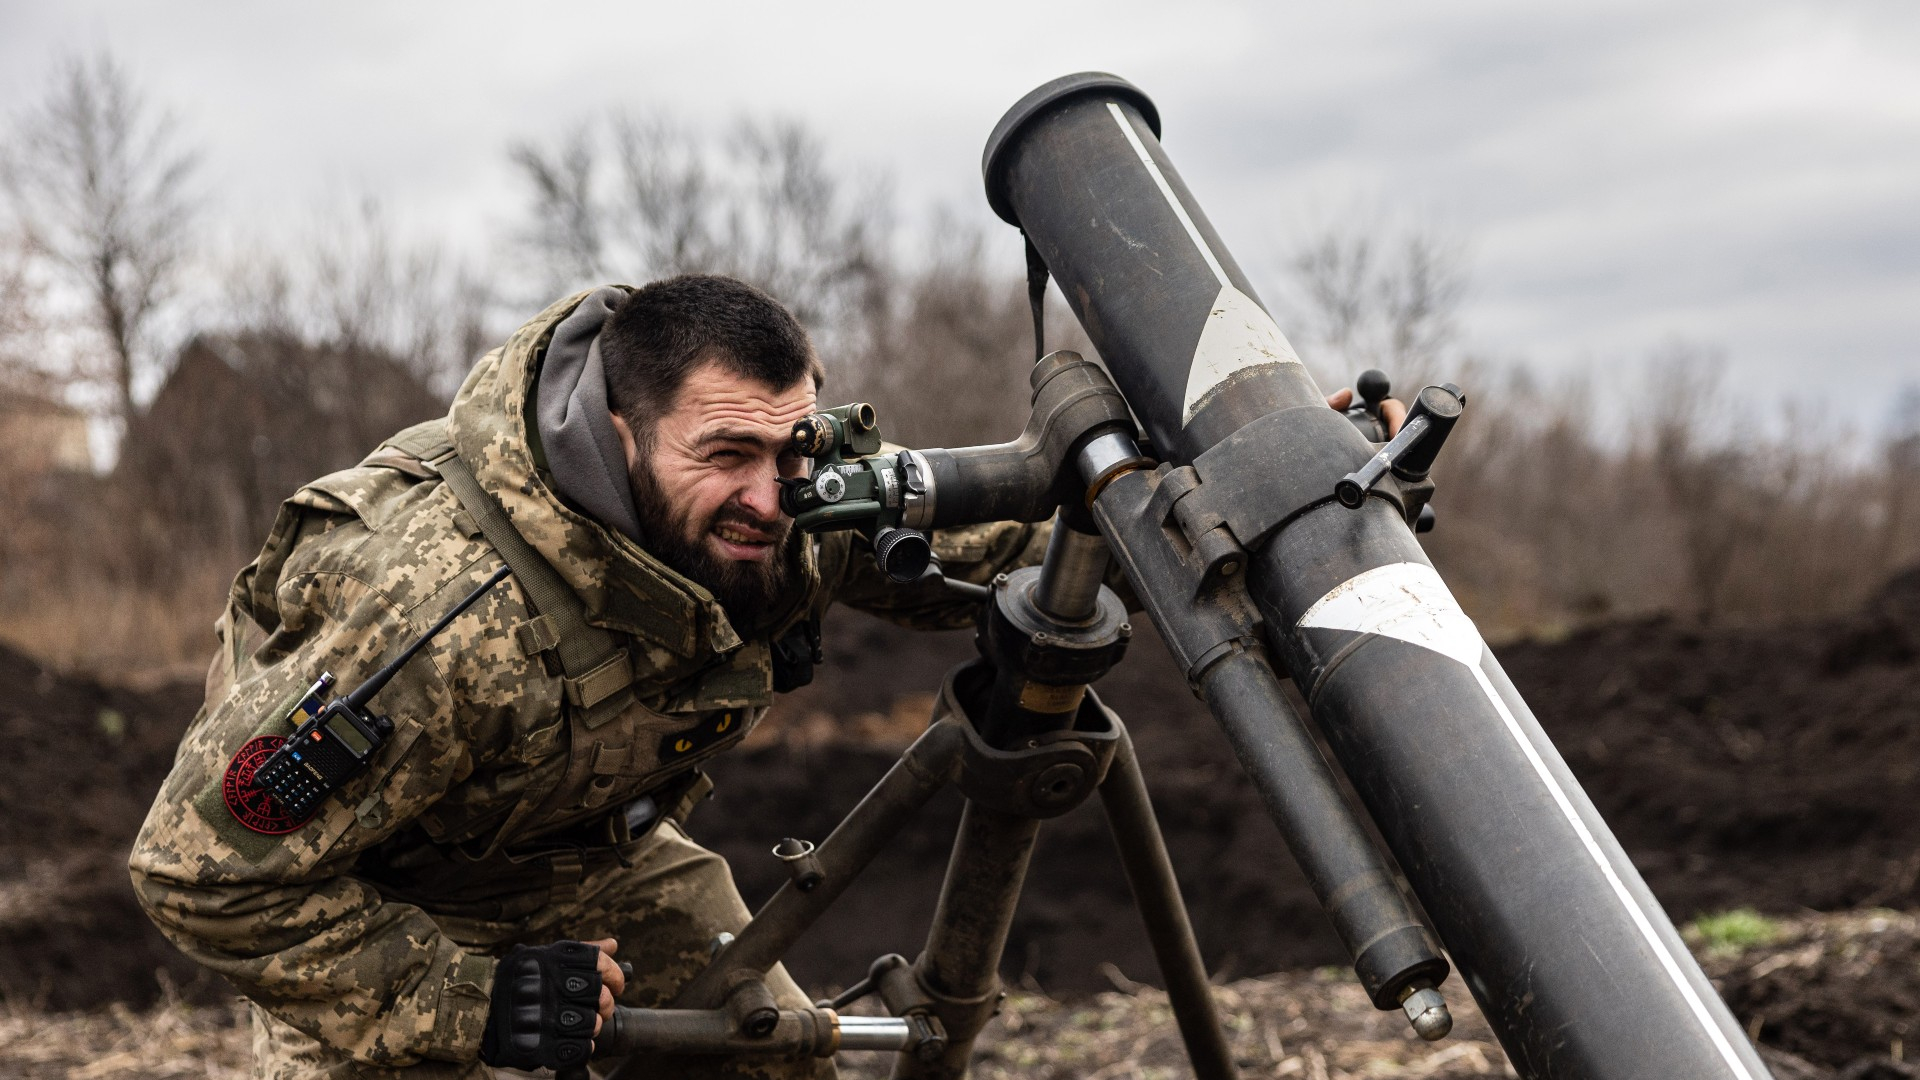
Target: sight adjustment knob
[(830, 486), (813, 434), (904, 554)]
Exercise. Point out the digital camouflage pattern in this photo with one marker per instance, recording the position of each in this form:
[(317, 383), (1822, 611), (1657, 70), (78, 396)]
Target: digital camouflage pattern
[(365, 937), (664, 909)]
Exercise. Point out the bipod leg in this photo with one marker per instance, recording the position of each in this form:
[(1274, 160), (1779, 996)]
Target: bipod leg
[(926, 767), (1143, 853), (961, 967), (1039, 743)]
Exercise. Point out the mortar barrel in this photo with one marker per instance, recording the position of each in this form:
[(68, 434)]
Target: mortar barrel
[(1574, 963)]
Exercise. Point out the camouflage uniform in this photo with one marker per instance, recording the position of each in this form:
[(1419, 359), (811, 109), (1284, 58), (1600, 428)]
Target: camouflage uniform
[(365, 938)]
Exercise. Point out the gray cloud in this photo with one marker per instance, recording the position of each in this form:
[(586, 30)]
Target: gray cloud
[(1737, 173)]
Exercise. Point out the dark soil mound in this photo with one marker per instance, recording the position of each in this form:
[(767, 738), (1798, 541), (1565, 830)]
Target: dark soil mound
[(1774, 769), (1768, 768), (1841, 992), (83, 763), (1771, 768)]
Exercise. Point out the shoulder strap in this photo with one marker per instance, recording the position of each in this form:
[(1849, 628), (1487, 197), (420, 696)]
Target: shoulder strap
[(599, 672), (409, 450), (428, 440)]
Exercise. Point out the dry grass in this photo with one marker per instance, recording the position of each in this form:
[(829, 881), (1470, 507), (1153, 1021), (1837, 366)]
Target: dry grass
[(130, 635), (1315, 1025), (1818, 985), (172, 1041)]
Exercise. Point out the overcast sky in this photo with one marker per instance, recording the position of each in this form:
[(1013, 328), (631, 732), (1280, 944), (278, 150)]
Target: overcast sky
[(1745, 175)]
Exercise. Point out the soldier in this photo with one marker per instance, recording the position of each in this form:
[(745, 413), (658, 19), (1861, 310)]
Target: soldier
[(618, 454)]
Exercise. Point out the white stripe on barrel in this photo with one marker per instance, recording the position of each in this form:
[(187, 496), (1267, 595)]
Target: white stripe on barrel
[(1239, 334), (1409, 602)]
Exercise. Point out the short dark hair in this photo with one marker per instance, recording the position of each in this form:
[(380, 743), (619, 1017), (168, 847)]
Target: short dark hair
[(668, 328)]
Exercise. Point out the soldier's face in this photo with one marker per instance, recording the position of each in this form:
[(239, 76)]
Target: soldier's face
[(709, 469)]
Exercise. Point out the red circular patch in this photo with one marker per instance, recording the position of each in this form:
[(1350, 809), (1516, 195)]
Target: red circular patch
[(249, 805)]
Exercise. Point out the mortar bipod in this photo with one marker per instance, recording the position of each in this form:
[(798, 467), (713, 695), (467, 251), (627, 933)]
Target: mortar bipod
[(1024, 739), (954, 980)]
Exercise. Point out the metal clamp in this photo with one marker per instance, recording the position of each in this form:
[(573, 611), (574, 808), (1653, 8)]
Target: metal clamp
[(1046, 779)]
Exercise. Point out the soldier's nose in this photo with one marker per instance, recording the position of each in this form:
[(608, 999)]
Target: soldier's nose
[(762, 501)]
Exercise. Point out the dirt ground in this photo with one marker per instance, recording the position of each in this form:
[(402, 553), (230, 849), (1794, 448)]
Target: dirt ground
[(1768, 768), (83, 761), (1773, 769), (1799, 991)]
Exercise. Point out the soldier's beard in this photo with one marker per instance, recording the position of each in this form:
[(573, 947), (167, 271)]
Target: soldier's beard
[(745, 589)]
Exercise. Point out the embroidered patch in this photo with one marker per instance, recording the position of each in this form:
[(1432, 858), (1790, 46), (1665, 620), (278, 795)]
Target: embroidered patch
[(249, 805), (681, 743)]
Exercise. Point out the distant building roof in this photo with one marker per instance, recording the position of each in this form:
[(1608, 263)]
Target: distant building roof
[(244, 420), (40, 435)]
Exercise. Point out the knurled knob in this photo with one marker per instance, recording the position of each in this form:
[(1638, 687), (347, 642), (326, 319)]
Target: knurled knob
[(904, 554)]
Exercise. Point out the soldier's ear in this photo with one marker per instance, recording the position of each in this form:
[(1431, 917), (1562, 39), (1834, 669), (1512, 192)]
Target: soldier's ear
[(628, 444)]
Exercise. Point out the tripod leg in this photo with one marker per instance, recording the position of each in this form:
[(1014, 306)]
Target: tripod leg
[(863, 834), (961, 967), (1144, 855)]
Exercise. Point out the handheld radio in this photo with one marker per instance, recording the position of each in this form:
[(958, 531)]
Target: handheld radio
[(333, 742)]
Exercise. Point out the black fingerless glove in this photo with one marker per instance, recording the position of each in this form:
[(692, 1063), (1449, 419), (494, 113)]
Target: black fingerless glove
[(544, 1001)]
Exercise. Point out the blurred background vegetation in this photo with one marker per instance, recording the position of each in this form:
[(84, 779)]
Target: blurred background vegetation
[(163, 386)]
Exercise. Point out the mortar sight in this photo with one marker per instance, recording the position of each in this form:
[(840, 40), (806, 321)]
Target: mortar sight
[(852, 485), (848, 431)]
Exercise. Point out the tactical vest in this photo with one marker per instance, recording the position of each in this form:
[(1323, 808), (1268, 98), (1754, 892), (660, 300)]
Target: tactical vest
[(610, 746)]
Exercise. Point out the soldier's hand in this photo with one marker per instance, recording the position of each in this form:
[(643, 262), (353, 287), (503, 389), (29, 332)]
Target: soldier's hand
[(612, 981), (540, 1003), (1393, 412)]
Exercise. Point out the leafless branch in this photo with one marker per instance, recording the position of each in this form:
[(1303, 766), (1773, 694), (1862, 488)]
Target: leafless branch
[(353, 285), (760, 203), (1373, 300), (100, 185)]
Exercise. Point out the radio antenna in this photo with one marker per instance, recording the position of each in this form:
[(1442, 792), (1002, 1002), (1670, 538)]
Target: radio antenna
[(365, 691)]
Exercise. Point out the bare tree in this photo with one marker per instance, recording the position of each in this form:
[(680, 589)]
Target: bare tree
[(21, 326), (352, 285), (1702, 477), (1374, 300), (949, 354), (1900, 457), (673, 217), (100, 185), (566, 231), (648, 198)]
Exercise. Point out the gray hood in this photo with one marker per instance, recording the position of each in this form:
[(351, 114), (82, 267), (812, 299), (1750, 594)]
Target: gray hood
[(582, 449)]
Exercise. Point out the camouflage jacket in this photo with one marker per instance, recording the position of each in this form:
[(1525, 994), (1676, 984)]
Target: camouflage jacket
[(486, 750)]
